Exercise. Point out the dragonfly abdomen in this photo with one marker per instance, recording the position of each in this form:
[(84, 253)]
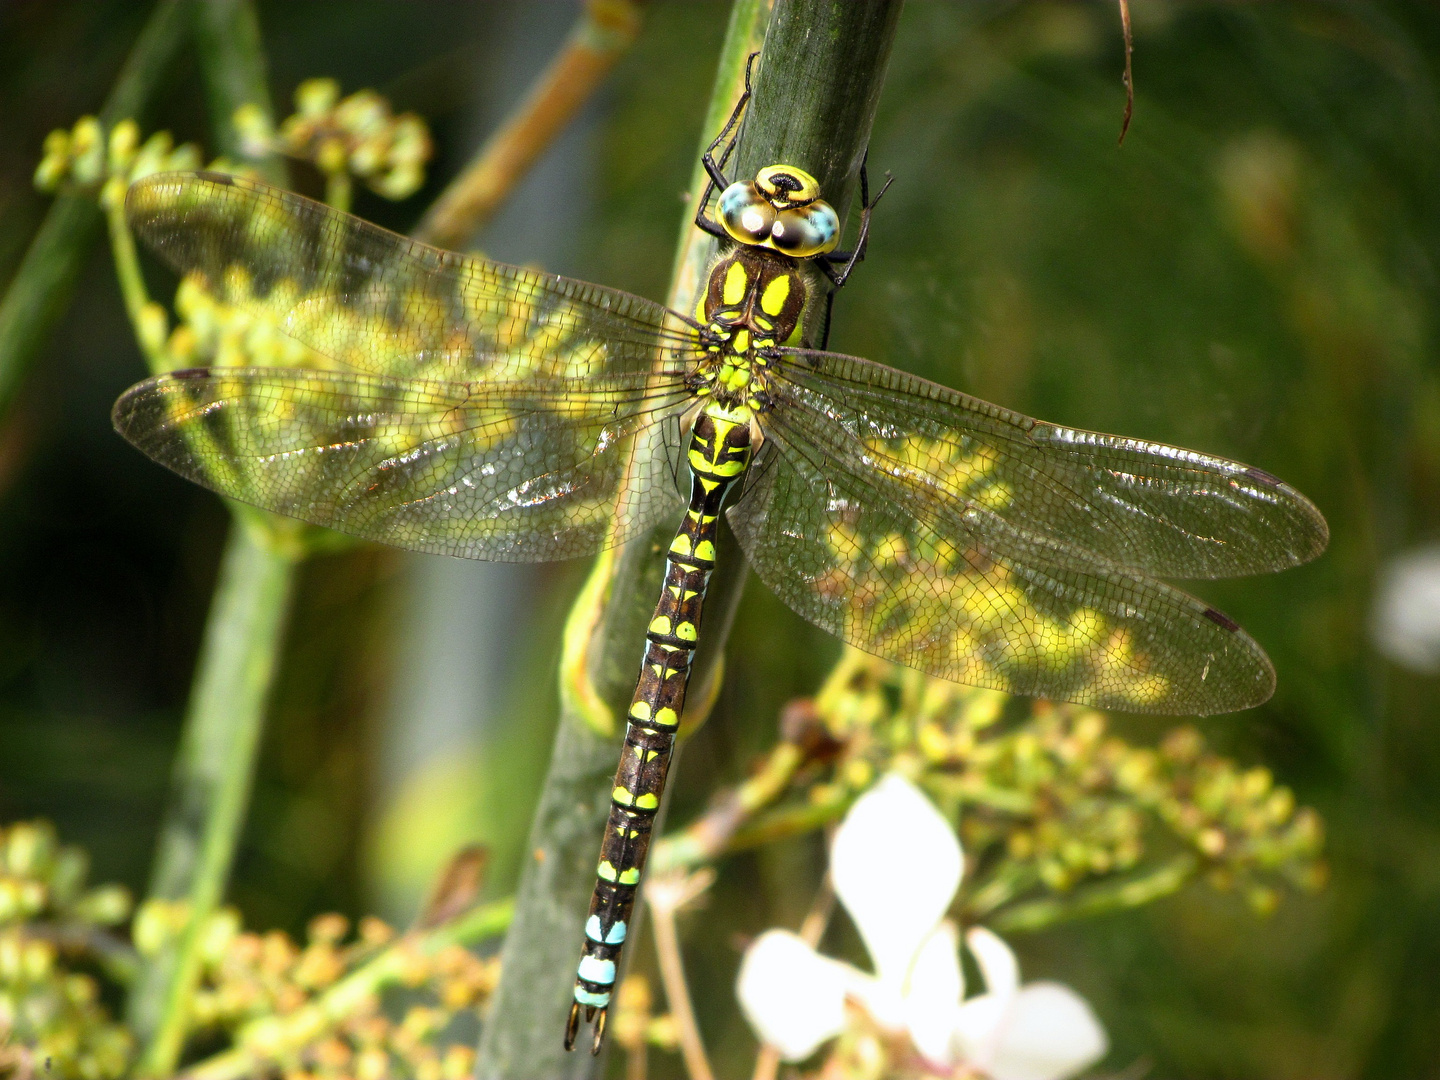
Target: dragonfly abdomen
[(719, 454)]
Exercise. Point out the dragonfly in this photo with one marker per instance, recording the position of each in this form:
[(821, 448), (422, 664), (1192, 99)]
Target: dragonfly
[(450, 404)]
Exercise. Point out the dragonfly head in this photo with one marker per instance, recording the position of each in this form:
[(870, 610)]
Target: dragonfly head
[(780, 209)]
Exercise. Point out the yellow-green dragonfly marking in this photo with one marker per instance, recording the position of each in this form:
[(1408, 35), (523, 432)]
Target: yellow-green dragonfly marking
[(450, 404)]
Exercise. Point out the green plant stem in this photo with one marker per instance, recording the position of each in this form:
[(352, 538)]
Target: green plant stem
[(1099, 899), (339, 190), (282, 1037), (214, 770), (240, 652), (712, 834), (148, 320), (41, 288), (838, 52), (232, 62)]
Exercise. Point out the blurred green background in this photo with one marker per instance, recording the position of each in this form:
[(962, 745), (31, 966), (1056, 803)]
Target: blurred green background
[(1252, 274)]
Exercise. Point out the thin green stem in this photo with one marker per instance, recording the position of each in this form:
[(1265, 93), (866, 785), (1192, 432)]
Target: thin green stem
[(240, 652), (232, 63), (289, 1034), (1100, 899), (40, 290), (148, 319), (214, 770), (998, 888), (339, 190), (666, 897), (711, 835), (787, 822)]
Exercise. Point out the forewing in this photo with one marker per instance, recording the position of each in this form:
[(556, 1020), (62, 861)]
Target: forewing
[(375, 301), (957, 591), (510, 472), (1155, 508)]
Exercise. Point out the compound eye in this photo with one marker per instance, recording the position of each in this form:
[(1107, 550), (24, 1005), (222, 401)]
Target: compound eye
[(806, 232), (745, 214), (785, 184)]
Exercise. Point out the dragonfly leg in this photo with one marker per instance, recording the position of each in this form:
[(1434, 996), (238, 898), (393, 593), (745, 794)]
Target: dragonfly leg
[(838, 264), (715, 170), (825, 324)]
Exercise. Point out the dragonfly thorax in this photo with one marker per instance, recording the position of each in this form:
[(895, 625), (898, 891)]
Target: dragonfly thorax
[(756, 300)]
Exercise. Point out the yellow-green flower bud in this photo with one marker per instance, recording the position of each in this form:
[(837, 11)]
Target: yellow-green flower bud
[(400, 182), (87, 151), (252, 125), (106, 905), (124, 139), (112, 192), (330, 157), (316, 96), (152, 327)]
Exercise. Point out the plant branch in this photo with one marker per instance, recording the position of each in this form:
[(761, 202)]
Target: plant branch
[(602, 34), (1099, 899), (240, 652), (40, 290), (232, 62), (284, 1036), (666, 896), (214, 770), (710, 836)]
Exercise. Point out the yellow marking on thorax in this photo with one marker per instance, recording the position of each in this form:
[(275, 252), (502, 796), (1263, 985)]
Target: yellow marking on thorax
[(772, 300), (736, 281)]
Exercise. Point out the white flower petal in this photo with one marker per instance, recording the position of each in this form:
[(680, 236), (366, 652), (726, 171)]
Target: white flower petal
[(1405, 621), (793, 997), (933, 994), (896, 865), (997, 962), (977, 1028), (1050, 1033)]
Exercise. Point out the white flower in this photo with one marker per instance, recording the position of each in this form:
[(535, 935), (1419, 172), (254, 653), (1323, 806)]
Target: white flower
[(1405, 622), (896, 866)]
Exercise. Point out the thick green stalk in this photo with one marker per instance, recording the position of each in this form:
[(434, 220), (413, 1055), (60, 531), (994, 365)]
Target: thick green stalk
[(834, 71), (40, 290), (220, 740)]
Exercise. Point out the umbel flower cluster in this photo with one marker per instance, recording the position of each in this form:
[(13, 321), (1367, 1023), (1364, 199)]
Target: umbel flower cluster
[(373, 1005), (971, 812), (1059, 816), (357, 134), (52, 928)]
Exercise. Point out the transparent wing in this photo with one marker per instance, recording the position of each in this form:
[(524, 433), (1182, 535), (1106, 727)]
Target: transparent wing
[(511, 472), (1155, 508), (906, 572), (375, 301)]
